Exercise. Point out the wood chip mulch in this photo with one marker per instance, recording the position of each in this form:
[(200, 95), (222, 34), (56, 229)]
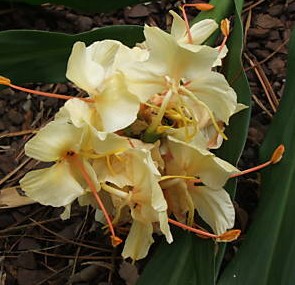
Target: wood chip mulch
[(36, 246)]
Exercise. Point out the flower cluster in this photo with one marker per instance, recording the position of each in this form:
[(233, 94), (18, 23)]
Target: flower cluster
[(140, 144)]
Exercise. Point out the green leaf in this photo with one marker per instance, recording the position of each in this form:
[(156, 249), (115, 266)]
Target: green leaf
[(170, 273), (267, 255), (35, 56), (89, 5), (182, 262), (238, 126)]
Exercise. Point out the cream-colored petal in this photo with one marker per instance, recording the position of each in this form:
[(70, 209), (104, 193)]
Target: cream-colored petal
[(164, 50), (178, 199), (221, 54), (214, 91), (193, 161), (106, 143), (54, 186), (116, 106), (138, 241), (53, 141), (164, 226), (83, 70), (215, 207), (178, 28), (202, 30), (79, 112), (146, 179), (104, 53), (66, 214), (144, 80)]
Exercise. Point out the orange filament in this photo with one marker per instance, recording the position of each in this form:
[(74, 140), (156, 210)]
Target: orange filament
[(275, 158), (225, 237), (224, 26), (7, 82), (199, 6), (114, 239)]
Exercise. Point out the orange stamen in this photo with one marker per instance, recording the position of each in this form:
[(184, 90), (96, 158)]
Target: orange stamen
[(115, 240), (275, 158), (199, 6), (229, 236), (278, 154), (225, 237), (7, 82), (225, 27)]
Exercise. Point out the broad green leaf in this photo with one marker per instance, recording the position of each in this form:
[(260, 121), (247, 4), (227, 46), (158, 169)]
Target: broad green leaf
[(238, 125), (184, 261), (169, 273), (36, 56), (89, 5), (267, 255)]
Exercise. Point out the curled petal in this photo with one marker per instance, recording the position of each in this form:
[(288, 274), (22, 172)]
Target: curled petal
[(83, 70), (215, 207), (54, 186), (214, 91), (53, 141), (138, 241), (116, 106), (194, 161), (200, 31)]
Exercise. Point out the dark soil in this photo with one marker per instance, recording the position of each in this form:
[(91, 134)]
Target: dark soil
[(36, 246)]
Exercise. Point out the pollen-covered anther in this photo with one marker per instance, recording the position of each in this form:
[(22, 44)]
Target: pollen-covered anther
[(229, 236), (200, 6), (116, 241), (225, 27), (277, 154), (4, 81)]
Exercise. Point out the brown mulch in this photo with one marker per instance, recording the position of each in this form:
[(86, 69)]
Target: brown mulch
[(36, 246)]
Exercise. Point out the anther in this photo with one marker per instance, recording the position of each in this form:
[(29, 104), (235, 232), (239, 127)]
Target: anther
[(229, 236), (224, 27), (275, 158), (277, 154)]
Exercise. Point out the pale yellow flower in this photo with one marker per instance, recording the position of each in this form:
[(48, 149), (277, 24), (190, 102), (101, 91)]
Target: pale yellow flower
[(132, 180), (61, 183), (185, 82), (96, 69), (209, 198)]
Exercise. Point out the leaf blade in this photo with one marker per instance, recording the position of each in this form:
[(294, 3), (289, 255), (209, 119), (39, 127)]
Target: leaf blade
[(38, 56), (271, 237)]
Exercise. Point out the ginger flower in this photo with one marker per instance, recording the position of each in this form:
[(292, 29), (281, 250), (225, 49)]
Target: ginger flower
[(59, 184), (132, 180), (199, 33), (181, 84), (96, 69), (184, 194)]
